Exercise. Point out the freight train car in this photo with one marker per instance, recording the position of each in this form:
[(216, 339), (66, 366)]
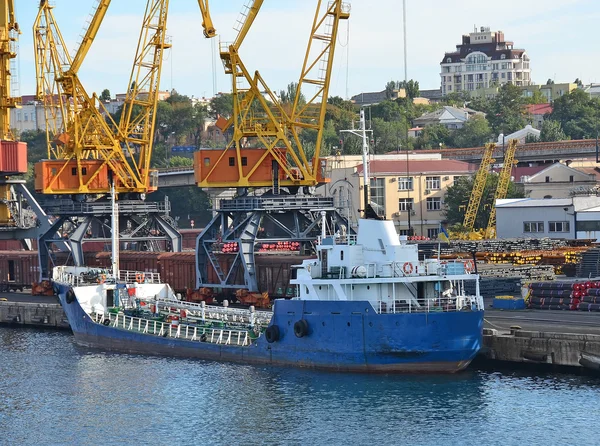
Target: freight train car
[(18, 269)]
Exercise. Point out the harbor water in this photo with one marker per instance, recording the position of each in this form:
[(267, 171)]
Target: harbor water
[(54, 393)]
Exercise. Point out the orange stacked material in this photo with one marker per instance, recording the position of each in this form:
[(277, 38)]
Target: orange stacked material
[(279, 247)]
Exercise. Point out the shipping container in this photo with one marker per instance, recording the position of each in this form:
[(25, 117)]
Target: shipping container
[(143, 261), (188, 238), (19, 267), (13, 157), (11, 245)]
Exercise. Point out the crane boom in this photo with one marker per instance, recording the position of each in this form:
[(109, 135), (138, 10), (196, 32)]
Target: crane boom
[(90, 34), (503, 183), (479, 187), (9, 32)]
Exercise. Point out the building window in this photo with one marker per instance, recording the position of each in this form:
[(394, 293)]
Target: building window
[(405, 183), (432, 232), (404, 232), (244, 161), (432, 183), (547, 179), (571, 179), (378, 195), (558, 226), (434, 204), (533, 226), (449, 60), (405, 204), (588, 226), (503, 75), (26, 116)]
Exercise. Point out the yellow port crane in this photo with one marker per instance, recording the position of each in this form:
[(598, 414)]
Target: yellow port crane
[(87, 150), (265, 150), (9, 32), (503, 183), (478, 187)]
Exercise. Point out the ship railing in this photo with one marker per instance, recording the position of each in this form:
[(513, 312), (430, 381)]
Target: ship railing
[(213, 335), (445, 305), (139, 276), (213, 312)]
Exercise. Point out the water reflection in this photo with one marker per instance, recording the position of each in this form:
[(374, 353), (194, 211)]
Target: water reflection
[(53, 393)]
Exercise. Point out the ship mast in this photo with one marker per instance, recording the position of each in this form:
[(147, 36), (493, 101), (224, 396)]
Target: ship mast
[(368, 211), (114, 231)]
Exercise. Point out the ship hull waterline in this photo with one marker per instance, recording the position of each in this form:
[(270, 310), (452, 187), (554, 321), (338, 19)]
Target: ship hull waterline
[(343, 336)]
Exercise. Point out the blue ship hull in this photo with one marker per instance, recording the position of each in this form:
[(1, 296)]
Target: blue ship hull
[(342, 336)]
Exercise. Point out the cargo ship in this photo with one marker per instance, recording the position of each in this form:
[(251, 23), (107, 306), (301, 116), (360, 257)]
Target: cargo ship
[(365, 303)]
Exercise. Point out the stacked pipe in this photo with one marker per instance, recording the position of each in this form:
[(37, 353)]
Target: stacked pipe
[(590, 301), (279, 247), (558, 295), (230, 247)]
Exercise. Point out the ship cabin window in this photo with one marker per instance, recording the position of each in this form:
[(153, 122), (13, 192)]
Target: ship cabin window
[(341, 255), (305, 290), (84, 171), (206, 162), (73, 171), (231, 161), (244, 161)]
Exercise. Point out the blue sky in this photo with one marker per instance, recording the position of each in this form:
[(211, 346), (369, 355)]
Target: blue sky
[(559, 35)]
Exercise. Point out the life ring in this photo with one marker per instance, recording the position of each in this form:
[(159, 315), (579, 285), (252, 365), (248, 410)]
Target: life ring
[(70, 296), (272, 333), (469, 266), (407, 268), (139, 277), (301, 328), (102, 278)]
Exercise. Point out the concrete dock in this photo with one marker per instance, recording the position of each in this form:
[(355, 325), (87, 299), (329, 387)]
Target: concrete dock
[(34, 311)]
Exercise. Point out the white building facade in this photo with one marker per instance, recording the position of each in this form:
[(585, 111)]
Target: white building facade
[(484, 58)]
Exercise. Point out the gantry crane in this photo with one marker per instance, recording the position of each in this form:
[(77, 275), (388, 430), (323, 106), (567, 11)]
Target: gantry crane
[(266, 152), (21, 217), (478, 187), (503, 183), (88, 152)]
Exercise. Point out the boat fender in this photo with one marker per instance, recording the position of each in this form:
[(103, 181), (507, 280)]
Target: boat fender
[(70, 296), (272, 333), (301, 328), (55, 289), (106, 322), (203, 337)]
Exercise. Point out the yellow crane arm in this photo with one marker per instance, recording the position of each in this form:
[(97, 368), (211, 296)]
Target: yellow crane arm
[(479, 187), (90, 34), (9, 31), (503, 182), (207, 24), (246, 20)]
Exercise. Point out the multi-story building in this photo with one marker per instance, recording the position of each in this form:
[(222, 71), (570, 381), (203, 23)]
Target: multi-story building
[(31, 116), (403, 190), (484, 58)]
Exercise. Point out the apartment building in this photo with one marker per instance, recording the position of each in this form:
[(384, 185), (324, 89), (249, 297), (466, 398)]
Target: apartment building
[(401, 190), (483, 59)]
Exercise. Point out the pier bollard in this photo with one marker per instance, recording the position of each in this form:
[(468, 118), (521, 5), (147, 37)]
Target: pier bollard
[(225, 303)]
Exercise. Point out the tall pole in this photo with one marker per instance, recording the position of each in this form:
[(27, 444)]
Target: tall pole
[(405, 56), (114, 232), (365, 154)]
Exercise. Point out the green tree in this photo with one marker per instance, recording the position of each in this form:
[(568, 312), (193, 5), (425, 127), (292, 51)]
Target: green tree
[(387, 135), (536, 98), (221, 105), (505, 112), (37, 148), (552, 131), (105, 95), (432, 136), (578, 114), (458, 195), (456, 99), (411, 87), (475, 133), (288, 96), (390, 87)]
